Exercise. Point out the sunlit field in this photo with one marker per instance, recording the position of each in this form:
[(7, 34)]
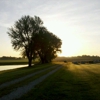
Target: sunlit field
[(71, 82)]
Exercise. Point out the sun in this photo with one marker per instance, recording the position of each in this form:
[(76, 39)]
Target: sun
[(71, 42), (71, 46)]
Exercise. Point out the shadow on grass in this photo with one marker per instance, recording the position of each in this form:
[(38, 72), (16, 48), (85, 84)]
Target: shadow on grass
[(65, 85)]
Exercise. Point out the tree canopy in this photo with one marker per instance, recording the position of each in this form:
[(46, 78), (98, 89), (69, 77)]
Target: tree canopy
[(47, 45), (30, 36)]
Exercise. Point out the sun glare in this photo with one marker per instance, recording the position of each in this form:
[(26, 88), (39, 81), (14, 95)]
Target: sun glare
[(71, 46), (71, 43)]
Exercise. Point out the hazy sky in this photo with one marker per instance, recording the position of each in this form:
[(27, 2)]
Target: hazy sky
[(76, 22)]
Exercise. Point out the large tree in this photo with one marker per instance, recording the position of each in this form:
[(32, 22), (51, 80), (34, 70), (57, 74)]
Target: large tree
[(47, 45), (34, 40), (23, 33)]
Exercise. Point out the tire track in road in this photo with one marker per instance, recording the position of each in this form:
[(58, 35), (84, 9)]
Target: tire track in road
[(24, 89), (22, 78)]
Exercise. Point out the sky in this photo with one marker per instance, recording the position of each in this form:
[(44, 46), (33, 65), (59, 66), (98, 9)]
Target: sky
[(75, 22)]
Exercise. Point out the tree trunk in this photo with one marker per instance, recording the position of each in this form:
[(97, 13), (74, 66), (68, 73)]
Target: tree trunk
[(30, 62), (29, 57), (42, 60)]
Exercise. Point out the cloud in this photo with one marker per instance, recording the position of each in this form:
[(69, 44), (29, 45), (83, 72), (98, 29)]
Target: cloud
[(78, 17)]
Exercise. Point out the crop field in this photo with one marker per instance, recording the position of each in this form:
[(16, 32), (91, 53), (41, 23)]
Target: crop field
[(71, 82)]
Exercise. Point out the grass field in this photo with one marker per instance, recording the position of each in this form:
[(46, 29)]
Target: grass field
[(10, 88), (72, 82), (9, 75), (13, 62)]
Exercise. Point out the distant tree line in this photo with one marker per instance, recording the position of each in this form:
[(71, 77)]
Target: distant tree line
[(93, 56), (83, 58), (33, 39), (9, 58)]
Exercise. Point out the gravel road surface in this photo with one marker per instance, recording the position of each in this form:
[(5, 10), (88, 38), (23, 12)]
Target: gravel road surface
[(23, 78), (20, 91)]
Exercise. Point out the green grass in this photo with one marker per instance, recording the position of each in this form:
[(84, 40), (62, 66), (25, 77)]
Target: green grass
[(14, 62), (10, 88), (72, 82), (9, 75)]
